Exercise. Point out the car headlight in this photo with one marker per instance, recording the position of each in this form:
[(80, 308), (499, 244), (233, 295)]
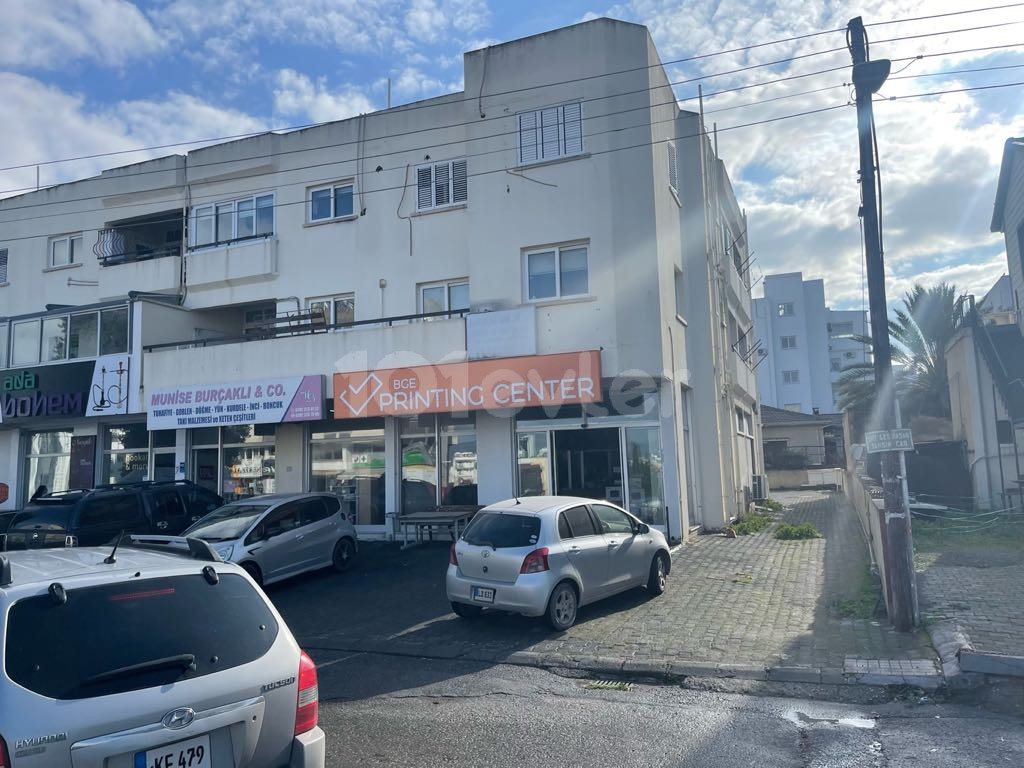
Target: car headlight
[(224, 551)]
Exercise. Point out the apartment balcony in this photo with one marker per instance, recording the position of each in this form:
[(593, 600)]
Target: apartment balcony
[(744, 379), (309, 348), (232, 263), (738, 282), (140, 254)]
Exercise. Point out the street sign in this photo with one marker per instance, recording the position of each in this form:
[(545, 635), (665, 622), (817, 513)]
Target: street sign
[(889, 440)]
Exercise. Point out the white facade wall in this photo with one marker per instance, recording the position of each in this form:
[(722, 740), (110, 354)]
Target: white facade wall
[(843, 348), (615, 198)]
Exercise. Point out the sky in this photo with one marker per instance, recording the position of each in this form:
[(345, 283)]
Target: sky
[(82, 78)]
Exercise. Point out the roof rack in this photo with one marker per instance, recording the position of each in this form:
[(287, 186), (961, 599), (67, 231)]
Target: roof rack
[(140, 484), (197, 549)]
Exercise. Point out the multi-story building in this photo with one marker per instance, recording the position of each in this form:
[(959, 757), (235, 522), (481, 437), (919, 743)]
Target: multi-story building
[(535, 285), (985, 358), (803, 346)]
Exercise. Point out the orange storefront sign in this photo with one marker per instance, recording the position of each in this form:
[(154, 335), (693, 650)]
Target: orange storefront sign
[(508, 382)]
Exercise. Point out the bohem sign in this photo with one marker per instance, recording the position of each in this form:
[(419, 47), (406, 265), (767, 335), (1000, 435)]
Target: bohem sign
[(99, 387), (510, 382), (265, 401)]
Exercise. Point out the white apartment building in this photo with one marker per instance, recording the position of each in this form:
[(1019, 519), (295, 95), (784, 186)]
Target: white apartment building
[(803, 346), (985, 358), (534, 285)]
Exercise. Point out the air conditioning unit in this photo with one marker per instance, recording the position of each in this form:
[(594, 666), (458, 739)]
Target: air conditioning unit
[(759, 488)]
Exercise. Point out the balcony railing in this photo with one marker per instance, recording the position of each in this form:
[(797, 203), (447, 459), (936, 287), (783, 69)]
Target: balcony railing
[(122, 246), (304, 325)]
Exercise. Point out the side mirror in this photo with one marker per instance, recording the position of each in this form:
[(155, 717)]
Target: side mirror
[(643, 528)]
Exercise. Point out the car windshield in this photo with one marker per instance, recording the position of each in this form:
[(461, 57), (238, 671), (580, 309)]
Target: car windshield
[(502, 531), (227, 523), (125, 637)]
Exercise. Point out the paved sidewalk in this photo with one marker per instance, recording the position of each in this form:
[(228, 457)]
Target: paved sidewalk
[(750, 607)]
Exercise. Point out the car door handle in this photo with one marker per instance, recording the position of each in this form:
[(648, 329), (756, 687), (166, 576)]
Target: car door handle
[(574, 549), (612, 544)]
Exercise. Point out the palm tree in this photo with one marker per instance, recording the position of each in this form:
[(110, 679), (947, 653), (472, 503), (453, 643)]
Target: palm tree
[(918, 333)]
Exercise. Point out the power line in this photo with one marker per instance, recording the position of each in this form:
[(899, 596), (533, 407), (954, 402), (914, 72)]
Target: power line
[(460, 141), (943, 15), (306, 182), (423, 105)]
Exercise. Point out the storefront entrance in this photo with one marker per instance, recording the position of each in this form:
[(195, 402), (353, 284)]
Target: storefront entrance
[(588, 463)]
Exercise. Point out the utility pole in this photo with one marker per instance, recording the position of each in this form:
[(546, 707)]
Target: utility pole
[(868, 77)]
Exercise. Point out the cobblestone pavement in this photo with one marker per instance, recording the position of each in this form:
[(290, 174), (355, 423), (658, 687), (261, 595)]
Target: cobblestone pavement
[(975, 586), (749, 602)]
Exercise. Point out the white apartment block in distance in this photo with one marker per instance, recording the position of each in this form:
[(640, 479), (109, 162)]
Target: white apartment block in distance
[(513, 289), (803, 346)]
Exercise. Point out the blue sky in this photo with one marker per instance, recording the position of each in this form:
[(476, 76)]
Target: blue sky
[(81, 77)]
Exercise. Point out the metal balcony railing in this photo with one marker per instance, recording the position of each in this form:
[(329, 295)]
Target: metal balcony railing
[(122, 246)]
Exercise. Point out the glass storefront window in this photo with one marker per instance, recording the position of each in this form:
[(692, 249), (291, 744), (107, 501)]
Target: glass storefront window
[(25, 343), (82, 339), (55, 338), (458, 465), (248, 464), (126, 454), (350, 464), (645, 474), (419, 464), (534, 475), (48, 461), (114, 331)]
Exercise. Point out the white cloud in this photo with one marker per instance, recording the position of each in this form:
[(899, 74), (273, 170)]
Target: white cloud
[(55, 124), (48, 34), (425, 20), (296, 95)]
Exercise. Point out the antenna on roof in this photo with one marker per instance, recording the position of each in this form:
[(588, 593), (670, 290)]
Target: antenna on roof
[(112, 557), (517, 500)]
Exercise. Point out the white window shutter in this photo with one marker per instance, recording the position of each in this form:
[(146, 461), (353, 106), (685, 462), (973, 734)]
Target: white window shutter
[(673, 168), (3, 268), (550, 145), (573, 130), (424, 187), (442, 180), (528, 150), (460, 189)]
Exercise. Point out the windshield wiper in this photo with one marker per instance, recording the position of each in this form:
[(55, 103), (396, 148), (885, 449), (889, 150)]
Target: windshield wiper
[(184, 661), (482, 543)]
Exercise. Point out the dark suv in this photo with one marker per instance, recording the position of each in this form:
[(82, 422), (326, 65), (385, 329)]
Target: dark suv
[(95, 517)]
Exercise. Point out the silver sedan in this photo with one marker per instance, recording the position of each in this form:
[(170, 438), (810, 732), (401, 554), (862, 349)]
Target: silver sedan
[(280, 535), (549, 555)]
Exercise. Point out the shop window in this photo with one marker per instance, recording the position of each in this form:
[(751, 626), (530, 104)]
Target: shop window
[(68, 337), (126, 454), (428, 482), (48, 461), (644, 470), (534, 474), (248, 462), (350, 464)]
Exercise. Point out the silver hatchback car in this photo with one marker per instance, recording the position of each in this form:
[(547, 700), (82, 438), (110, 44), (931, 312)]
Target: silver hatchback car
[(549, 555), (155, 656), (280, 535)]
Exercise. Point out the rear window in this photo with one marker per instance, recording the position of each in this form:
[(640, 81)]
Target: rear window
[(124, 637), (503, 531), (48, 515)]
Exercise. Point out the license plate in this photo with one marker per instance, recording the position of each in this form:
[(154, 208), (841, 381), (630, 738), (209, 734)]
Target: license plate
[(194, 753), (482, 594)]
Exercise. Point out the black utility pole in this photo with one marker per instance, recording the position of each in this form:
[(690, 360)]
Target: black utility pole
[(868, 77)]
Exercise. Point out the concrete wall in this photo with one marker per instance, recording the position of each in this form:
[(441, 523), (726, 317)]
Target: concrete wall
[(871, 513)]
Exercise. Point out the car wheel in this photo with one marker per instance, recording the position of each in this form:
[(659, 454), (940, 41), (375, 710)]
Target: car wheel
[(344, 554), (466, 611), (253, 570), (658, 579), (562, 607)]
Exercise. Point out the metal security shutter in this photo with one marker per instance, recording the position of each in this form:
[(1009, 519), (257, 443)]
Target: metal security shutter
[(424, 187), (442, 178), (3, 265), (573, 130), (528, 149), (460, 189), (673, 168)]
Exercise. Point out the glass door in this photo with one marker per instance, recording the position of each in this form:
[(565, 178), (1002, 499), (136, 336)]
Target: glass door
[(588, 463)]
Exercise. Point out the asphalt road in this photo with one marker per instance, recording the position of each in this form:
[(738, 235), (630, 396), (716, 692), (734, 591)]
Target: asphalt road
[(383, 710)]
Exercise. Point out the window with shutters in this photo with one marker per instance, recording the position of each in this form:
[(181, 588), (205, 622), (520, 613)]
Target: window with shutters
[(550, 133), (3, 266), (439, 185), (673, 167)]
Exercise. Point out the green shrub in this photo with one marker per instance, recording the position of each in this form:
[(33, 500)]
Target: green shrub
[(773, 505), (751, 523), (790, 532)]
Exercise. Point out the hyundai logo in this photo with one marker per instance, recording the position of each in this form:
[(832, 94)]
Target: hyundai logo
[(179, 718)]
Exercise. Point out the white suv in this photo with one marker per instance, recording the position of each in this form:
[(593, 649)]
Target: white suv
[(158, 656)]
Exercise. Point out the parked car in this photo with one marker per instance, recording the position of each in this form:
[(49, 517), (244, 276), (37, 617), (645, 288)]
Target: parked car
[(97, 516), (550, 555), (280, 535), (156, 655)]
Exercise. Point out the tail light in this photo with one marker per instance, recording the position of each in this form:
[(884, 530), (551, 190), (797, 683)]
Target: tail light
[(5, 760), (453, 559), (536, 561), (308, 705)]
